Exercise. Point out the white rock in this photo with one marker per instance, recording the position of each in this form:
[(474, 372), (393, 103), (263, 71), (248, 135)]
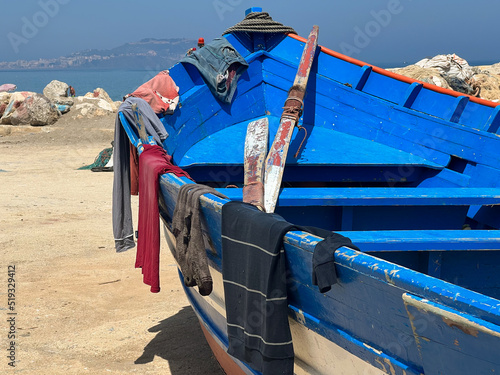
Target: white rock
[(56, 89), (89, 107)]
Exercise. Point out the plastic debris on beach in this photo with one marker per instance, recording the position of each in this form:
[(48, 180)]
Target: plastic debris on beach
[(6, 87)]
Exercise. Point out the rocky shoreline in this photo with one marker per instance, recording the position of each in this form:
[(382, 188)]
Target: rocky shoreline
[(36, 109)]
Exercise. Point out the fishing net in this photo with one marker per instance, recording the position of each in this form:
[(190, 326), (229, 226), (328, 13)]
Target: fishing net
[(101, 160)]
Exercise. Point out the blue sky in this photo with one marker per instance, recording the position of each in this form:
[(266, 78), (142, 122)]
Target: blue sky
[(375, 31)]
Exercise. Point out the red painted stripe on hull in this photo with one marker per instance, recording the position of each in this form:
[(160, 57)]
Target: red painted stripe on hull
[(225, 360)]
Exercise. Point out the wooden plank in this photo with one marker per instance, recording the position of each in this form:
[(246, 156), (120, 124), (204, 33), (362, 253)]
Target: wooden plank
[(203, 120), (374, 119), (347, 218), (451, 341), (436, 290), (255, 154), (475, 115), (275, 161), (426, 240), (357, 305), (390, 90), (363, 116), (337, 337), (381, 196), (367, 301)]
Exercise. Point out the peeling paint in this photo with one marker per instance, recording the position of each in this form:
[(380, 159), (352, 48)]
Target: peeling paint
[(379, 352), (382, 366), (465, 329), (373, 267), (392, 371), (300, 317)]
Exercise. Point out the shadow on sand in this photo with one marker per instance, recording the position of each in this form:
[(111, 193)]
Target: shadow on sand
[(180, 341)]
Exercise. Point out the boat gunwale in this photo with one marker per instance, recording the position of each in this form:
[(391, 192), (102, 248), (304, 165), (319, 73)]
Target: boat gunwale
[(346, 257), (397, 76)]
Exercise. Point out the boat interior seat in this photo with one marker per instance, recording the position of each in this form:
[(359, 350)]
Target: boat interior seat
[(354, 209), (425, 240), (380, 196)]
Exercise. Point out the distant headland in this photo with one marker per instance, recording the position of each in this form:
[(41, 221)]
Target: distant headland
[(145, 54)]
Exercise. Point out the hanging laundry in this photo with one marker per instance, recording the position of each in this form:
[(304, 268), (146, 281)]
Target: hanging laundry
[(220, 65), (161, 93), (153, 162)]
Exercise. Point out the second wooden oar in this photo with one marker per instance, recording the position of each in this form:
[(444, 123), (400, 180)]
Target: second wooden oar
[(255, 155), (275, 162)]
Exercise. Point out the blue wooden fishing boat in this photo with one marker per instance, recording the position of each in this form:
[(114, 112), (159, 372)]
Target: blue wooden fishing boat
[(408, 171)]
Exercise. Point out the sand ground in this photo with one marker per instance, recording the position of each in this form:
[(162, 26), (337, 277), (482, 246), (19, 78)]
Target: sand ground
[(80, 307)]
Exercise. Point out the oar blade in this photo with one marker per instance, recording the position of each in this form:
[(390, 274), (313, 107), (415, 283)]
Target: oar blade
[(275, 163), (255, 154)]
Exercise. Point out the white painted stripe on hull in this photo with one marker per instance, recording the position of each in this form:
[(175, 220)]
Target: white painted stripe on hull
[(316, 355)]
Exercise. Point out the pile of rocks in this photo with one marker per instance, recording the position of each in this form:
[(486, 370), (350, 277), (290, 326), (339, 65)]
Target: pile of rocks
[(453, 72), (30, 108), (23, 108)]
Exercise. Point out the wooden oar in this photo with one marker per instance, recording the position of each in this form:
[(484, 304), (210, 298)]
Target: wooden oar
[(255, 155), (275, 162)]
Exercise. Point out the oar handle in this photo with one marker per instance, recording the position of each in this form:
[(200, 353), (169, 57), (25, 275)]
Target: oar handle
[(306, 61), (295, 100)]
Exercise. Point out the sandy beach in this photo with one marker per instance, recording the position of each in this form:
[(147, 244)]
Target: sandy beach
[(80, 307)]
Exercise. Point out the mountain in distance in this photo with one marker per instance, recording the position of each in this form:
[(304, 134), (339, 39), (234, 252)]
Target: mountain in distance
[(145, 54)]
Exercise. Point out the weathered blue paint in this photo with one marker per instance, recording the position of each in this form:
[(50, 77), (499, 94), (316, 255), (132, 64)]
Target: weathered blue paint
[(381, 196), (493, 122), (398, 167), (411, 94), (438, 328)]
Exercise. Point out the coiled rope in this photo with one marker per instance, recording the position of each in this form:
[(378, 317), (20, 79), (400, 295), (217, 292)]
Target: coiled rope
[(259, 22)]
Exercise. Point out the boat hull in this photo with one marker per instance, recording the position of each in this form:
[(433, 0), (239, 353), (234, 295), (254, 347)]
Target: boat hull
[(309, 346), (365, 324)]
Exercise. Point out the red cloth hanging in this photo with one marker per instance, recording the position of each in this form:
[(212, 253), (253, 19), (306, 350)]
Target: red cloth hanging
[(153, 162), (160, 92)]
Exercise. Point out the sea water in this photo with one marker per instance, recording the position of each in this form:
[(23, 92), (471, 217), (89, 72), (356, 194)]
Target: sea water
[(116, 83)]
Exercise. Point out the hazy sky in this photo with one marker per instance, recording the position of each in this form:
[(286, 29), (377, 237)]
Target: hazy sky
[(375, 31)]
